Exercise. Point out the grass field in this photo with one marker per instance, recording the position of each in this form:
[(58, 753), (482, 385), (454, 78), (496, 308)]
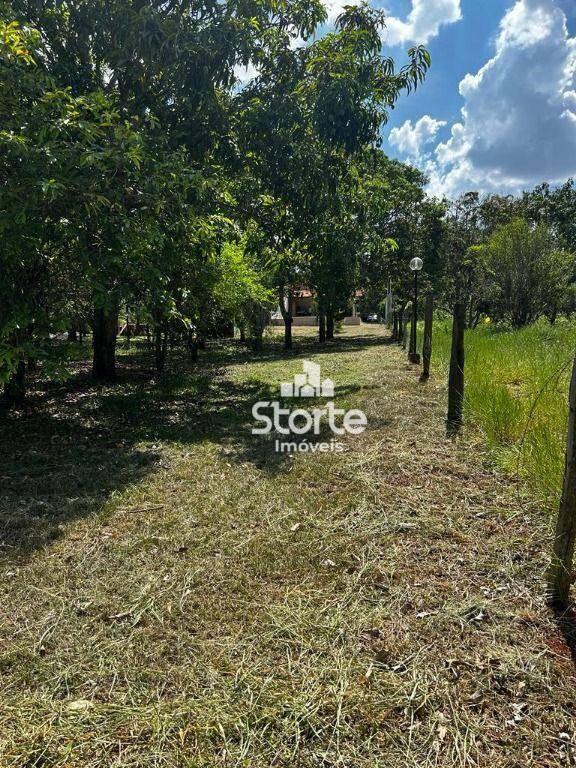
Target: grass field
[(176, 595), (517, 394)]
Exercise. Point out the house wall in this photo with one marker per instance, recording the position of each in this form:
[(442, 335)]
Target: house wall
[(302, 307), (312, 321)]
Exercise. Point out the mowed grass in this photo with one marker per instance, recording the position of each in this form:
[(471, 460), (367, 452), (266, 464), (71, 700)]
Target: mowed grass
[(517, 386), (174, 594)]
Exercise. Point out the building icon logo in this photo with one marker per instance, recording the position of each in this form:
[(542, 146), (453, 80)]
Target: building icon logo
[(308, 384)]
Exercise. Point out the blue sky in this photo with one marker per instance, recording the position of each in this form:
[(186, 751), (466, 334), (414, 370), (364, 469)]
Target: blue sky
[(460, 48), (497, 112)]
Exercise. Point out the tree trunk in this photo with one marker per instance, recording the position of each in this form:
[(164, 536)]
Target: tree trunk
[(257, 339), (390, 309), (73, 333), (192, 345), (286, 316), (15, 387), (427, 344), (395, 326), (160, 346), (243, 334), (456, 378), (322, 327), (288, 343), (105, 333), (258, 330), (560, 577), (330, 324)]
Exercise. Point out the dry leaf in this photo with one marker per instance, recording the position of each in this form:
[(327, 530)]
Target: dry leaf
[(296, 527), (81, 705)]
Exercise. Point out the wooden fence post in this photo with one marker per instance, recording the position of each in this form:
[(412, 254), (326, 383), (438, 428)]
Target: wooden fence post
[(427, 344), (405, 320), (456, 378), (400, 319), (560, 577)]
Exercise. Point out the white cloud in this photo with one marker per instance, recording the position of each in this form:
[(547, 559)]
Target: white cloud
[(335, 7), (518, 124), (410, 139), (424, 21), (245, 74)]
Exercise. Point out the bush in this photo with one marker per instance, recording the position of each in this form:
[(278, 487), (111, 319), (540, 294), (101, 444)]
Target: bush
[(529, 274)]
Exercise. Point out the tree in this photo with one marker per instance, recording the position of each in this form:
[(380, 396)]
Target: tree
[(168, 68), (530, 275), (462, 277), (302, 125), (495, 211), (59, 166), (400, 225), (555, 207)]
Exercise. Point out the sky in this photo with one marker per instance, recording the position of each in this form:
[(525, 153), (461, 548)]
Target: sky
[(497, 112)]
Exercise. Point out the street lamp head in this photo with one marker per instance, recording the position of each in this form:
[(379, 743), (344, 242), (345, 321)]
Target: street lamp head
[(416, 265)]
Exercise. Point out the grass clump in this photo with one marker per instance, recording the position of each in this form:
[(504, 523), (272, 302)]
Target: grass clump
[(517, 393), (175, 594)]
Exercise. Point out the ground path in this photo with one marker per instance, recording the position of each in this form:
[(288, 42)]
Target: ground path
[(176, 594)]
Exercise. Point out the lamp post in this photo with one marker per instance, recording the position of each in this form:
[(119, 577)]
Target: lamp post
[(416, 266)]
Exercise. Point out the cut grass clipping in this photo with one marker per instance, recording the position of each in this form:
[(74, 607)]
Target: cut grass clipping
[(176, 595)]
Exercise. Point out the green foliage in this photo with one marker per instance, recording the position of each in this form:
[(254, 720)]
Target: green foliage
[(399, 222), (529, 275), (132, 162), (350, 86), (307, 126), (554, 206), (517, 395), (236, 285), (60, 156), (501, 265)]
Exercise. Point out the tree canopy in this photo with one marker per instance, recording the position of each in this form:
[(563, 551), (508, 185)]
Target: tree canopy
[(140, 178)]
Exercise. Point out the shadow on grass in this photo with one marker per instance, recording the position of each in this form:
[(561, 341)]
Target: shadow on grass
[(64, 461), (234, 353), (83, 442)]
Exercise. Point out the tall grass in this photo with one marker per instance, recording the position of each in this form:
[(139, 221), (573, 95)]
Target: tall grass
[(517, 394)]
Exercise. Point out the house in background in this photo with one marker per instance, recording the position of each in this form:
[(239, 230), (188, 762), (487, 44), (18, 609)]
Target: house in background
[(303, 310)]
